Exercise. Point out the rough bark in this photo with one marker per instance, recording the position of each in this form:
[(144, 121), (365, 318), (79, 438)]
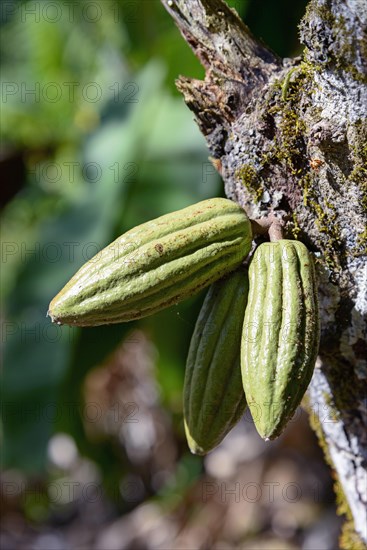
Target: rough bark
[(290, 137)]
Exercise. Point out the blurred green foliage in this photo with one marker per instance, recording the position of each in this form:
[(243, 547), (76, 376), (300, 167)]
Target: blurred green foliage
[(96, 167), (91, 111)]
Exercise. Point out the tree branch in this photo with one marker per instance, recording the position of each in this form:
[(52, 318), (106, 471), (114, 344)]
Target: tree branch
[(221, 40), (235, 65), (335, 34), (289, 137)]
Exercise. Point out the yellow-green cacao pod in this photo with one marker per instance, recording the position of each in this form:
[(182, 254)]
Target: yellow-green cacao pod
[(214, 400), (280, 336), (156, 264)]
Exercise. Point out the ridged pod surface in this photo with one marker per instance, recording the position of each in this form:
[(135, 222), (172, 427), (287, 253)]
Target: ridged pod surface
[(156, 264), (214, 400), (280, 333)]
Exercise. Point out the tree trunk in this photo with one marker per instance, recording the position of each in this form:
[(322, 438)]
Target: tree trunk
[(290, 137)]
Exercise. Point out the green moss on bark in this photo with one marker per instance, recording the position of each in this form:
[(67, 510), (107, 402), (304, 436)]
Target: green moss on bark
[(337, 42), (349, 539), (249, 178)]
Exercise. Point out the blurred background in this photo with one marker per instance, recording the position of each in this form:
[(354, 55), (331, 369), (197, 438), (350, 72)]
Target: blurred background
[(95, 139)]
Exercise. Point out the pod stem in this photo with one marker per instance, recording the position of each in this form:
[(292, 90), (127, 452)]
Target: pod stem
[(276, 230), (270, 225)]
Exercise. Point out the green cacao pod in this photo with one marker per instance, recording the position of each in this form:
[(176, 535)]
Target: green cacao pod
[(280, 333), (214, 400), (156, 264)]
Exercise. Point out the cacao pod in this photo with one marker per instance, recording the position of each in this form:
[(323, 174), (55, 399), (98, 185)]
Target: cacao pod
[(214, 400), (280, 333), (155, 265)]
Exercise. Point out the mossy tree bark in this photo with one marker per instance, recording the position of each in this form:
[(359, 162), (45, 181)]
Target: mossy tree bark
[(290, 137)]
